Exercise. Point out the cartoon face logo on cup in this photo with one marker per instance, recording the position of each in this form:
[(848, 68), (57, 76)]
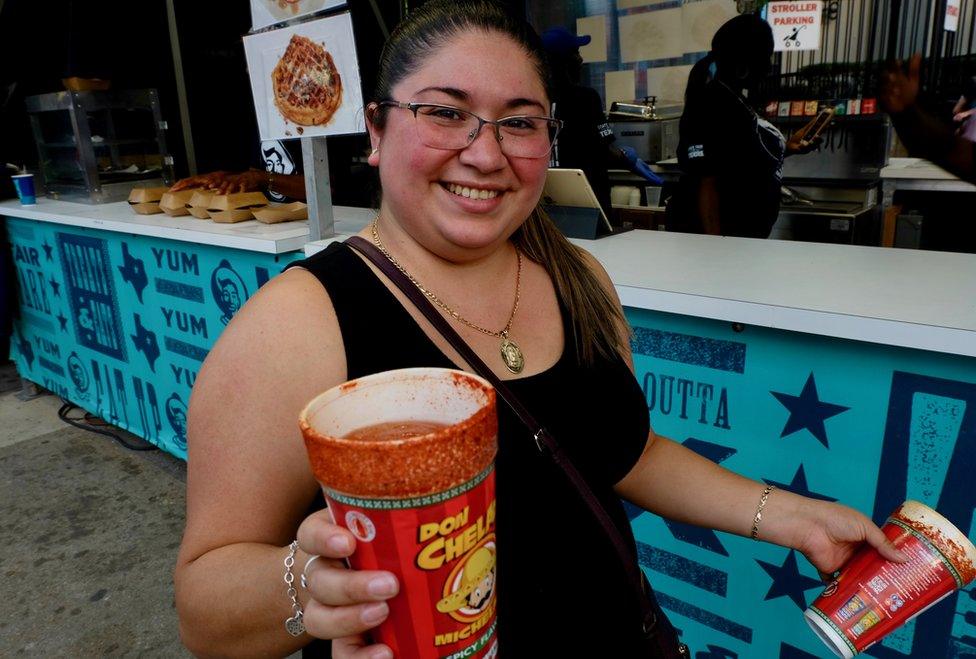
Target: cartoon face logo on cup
[(470, 587), (229, 290), (176, 415)]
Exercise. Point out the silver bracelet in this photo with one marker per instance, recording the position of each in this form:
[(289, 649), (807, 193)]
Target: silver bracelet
[(759, 511), (294, 625)]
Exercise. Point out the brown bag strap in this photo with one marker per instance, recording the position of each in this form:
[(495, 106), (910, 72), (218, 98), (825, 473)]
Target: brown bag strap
[(545, 442)]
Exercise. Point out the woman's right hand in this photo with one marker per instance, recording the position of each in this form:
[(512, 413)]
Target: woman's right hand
[(205, 181), (343, 603)]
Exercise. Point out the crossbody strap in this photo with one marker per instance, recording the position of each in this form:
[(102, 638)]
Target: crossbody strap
[(545, 442)]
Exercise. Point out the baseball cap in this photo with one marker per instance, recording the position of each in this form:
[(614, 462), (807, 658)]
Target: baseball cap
[(560, 40)]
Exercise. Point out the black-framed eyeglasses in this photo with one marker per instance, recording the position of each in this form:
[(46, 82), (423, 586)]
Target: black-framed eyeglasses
[(450, 128)]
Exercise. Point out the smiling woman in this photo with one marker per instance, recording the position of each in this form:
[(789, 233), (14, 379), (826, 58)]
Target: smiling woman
[(460, 131)]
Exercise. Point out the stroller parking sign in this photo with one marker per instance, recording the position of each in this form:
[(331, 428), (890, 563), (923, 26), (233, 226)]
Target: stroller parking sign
[(796, 25)]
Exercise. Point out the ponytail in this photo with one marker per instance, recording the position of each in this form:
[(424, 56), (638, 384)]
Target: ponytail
[(597, 318)]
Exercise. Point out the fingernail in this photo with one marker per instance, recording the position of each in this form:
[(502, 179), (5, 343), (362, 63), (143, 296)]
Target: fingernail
[(339, 544), (374, 614), (381, 653), (384, 586)]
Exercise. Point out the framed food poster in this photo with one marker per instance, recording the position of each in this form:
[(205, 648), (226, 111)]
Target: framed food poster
[(305, 79), (269, 12)]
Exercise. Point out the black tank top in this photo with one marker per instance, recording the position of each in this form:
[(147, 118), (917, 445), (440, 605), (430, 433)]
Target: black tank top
[(561, 589)]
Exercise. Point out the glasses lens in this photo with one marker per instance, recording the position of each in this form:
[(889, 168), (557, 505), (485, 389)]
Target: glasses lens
[(527, 137), (441, 127)]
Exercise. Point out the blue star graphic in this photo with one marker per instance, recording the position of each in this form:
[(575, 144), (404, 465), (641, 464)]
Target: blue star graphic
[(55, 286), (47, 251), (788, 581), (63, 321), (808, 411), (799, 486)]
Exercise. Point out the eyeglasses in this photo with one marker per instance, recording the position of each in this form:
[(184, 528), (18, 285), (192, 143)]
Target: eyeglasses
[(451, 128)]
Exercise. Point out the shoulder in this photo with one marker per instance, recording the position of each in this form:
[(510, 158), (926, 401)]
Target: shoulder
[(269, 341)]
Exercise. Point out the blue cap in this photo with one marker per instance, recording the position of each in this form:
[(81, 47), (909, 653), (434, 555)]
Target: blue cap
[(561, 41)]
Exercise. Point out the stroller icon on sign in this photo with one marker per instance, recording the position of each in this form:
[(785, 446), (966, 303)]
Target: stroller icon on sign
[(792, 40)]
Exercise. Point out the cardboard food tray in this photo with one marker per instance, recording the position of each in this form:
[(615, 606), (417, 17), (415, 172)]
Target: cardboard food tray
[(175, 204), (231, 216), (145, 201), (235, 207), (198, 204), (275, 213)]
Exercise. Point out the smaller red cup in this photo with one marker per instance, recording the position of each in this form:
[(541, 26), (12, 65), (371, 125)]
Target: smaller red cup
[(874, 596)]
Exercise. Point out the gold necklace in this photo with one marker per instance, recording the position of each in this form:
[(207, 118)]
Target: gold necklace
[(510, 352)]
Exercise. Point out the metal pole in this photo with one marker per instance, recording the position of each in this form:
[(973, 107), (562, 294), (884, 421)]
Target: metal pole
[(318, 188), (174, 43), (893, 30)]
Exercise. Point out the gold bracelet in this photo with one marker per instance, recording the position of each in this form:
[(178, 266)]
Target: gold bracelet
[(759, 511)]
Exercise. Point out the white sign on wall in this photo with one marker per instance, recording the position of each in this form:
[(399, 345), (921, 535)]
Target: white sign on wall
[(796, 25), (952, 15)]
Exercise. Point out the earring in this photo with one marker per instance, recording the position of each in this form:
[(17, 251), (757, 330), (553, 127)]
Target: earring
[(374, 151)]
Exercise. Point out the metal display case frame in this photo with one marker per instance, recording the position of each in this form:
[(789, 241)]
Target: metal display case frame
[(95, 189)]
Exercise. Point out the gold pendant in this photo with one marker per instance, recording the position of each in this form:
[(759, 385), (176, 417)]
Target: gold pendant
[(512, 356)]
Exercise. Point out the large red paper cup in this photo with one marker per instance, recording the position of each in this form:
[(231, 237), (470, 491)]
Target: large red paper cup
[(423, 507), (873, 596)]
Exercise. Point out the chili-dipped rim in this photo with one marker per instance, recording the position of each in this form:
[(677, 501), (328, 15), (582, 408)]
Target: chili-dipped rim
[(419, 465)]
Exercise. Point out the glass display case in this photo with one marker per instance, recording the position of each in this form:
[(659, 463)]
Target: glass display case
[(95, 146)]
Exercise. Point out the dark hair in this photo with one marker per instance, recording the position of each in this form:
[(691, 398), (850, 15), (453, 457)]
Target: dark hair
[(436, 22), (742, 42), (598, 322)]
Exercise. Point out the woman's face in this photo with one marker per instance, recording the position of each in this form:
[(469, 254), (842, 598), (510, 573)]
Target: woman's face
[(490, 75)]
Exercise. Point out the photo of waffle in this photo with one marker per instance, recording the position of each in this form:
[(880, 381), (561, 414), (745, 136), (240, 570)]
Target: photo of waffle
[(307, 87), (305, 79)]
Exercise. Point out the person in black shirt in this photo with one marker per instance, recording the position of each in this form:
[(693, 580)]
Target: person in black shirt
[(586, 140), (731, 158)]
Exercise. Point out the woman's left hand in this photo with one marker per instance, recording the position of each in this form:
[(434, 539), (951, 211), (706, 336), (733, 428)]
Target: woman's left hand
[(828, 534)]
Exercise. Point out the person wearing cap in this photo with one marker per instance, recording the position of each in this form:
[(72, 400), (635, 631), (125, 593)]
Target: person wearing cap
[(586, 140)]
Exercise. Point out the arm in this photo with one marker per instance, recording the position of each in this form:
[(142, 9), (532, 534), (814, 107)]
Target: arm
[(667, 472), (678, 484), (923, 135), (249, 483)]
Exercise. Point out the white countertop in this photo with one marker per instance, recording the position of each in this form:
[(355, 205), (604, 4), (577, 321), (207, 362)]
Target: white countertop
[(919, 169), (251, 235), (909, 298), (901, 297)]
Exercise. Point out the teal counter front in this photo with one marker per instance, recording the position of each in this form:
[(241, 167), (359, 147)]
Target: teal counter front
[(117, 311), (864, 424)]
